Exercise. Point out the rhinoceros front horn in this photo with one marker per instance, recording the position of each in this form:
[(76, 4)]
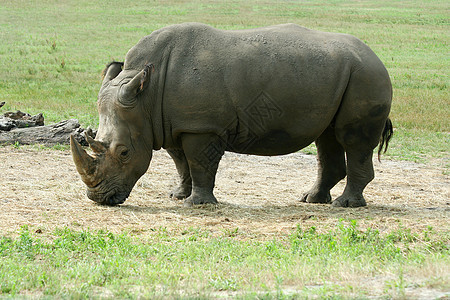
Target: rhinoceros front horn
[(85, 164)]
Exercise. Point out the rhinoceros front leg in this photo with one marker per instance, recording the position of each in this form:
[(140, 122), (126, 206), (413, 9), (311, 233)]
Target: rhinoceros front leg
[(184, 188), (203, 153), (331, 168)]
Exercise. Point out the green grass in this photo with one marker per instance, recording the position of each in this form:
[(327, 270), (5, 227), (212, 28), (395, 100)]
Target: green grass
[(82, 264), (53, 52)]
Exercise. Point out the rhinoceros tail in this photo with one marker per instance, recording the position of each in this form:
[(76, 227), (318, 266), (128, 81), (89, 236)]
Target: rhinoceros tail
[(386, 136)]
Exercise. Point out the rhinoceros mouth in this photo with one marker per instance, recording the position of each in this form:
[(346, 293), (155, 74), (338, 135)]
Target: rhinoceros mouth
[(111, 198), (115, 198)]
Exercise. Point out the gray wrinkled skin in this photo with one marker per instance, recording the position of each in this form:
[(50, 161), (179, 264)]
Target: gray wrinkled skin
[(197, 91)]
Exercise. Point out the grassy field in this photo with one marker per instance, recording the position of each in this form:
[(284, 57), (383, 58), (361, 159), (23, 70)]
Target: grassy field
[(52, 54), (200, 266)]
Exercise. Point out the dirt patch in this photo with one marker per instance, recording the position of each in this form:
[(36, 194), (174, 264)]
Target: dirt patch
[(258, 196)]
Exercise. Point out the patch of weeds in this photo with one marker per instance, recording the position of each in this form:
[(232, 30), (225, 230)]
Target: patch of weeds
[(279, 286), (274, 249), (402, 235), (310, 150), (231, 232), (58, 147), (396, 286), (82, 263), (162, 233), (52, 44), (404, 238), (326, 291), (418, 145), (346, 242), (5, 246), (61, 147), (223, 284), (25, 246), (435, 242), (193, 234)]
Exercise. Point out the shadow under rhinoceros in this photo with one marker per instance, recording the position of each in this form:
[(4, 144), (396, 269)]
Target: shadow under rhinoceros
[(291, 213)]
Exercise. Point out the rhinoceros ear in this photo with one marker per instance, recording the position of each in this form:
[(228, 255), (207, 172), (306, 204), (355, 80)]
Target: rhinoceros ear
[(139, 82), (111, 71)]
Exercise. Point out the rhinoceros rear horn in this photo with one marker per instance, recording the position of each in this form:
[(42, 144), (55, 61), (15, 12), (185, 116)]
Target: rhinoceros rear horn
[(135, 86), (111, 71), (96, 146)]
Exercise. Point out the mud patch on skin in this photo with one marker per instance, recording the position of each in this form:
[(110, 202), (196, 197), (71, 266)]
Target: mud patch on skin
[(258, 195)]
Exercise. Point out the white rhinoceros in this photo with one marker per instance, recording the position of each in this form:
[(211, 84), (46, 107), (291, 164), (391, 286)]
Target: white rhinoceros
[(198, 91)]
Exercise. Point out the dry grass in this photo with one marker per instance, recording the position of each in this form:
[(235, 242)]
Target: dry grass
[(258, 197), (259, 202)]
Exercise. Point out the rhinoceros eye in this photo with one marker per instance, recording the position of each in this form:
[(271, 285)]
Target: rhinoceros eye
[(123, 153)]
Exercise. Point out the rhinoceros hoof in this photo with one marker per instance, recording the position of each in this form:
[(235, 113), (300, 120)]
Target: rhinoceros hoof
[(181, 192), (316, 197), (349, 201), (199, 199)]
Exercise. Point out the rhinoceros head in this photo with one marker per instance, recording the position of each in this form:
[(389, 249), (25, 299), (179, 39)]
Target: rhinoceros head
[(122, 148)]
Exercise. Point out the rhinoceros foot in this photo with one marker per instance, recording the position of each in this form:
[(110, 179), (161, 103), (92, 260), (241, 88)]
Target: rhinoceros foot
[(198, 198), (349, 201), (315, 196), (181, 192)]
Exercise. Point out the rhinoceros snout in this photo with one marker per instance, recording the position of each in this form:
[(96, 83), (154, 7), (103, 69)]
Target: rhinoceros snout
[(112, 198)]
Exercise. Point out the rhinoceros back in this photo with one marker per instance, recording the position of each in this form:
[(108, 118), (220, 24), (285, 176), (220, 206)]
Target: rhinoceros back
[(267, 91)]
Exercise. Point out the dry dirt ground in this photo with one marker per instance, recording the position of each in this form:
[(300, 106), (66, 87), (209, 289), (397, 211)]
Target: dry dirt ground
[(257, 195)]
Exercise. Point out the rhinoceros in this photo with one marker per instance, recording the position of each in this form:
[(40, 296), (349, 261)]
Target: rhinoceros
[(197, 92)]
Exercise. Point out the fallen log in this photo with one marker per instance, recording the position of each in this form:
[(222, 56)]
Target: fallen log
[(18, 119), (48, 135)]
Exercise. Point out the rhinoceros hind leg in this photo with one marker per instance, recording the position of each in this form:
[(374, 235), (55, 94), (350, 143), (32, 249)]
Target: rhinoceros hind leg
[(184, 188), (203, 153), (360, 122), (331, 168), (359, 174)]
